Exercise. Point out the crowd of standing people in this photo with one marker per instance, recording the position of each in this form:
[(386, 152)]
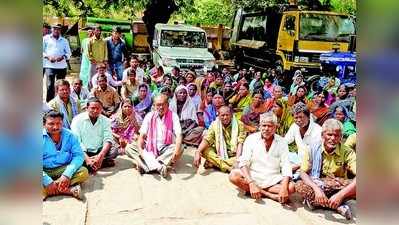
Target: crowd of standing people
[(272, 140)]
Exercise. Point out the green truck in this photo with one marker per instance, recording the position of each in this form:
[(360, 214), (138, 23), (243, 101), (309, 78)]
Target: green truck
[(106, 27)]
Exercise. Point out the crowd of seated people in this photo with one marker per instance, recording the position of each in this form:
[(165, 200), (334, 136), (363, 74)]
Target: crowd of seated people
[(273, 141)]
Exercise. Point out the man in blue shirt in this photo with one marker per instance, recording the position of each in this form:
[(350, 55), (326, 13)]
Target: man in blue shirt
[(56, 52), (117, 53), (62, 159)]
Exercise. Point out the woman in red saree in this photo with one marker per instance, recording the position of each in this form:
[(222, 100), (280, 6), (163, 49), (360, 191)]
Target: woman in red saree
[(318, 108)]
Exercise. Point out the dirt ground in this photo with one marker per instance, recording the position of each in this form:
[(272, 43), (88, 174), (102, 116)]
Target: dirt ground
[(119, 195)]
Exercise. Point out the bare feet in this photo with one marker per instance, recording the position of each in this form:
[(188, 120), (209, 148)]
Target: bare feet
[(270, 195)]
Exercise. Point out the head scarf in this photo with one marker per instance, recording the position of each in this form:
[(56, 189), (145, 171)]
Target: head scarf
[(188, 110), (297, 74), (198, 82), (125, 126), (344, 111), (286, 117)]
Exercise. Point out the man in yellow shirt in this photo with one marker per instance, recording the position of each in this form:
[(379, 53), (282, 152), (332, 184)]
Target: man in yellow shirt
[(97, 51), (324, 175), (222, 143)]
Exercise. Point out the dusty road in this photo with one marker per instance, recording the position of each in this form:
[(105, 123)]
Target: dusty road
[(120, 195)]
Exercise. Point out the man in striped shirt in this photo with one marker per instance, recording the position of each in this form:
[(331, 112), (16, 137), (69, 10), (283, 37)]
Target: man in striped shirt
[(325, 173)]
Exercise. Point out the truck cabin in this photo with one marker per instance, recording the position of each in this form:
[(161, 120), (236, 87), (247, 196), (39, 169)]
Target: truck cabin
[(288, 39)]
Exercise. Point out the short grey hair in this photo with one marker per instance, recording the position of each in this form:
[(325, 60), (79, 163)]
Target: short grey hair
[(268, 117), (277, 87), (300, 107), (332, 124)]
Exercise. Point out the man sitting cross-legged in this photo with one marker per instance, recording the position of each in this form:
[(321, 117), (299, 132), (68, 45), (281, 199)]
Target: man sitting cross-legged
[(160, 140), (62, 158), (108, 96), (94, 133), (324, 175), (264, 168), (222, 143)]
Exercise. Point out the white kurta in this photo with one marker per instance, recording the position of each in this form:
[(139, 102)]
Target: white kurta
[(266, 168), (311, 138), (161, 128)]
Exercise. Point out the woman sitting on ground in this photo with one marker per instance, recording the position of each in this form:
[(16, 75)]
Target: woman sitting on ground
[(318, 108), (190, 77), (341, 113), (297, 82), (284, 116), (142, 103), (183, 106), (300, 96), (218, 83), (157, 75), (241, 100), (210, 112), (251, 113), (124, 125)]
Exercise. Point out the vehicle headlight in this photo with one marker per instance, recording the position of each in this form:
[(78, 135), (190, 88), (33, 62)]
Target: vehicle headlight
[(296, 59), (303, 59), (169, 62), (210, 63)]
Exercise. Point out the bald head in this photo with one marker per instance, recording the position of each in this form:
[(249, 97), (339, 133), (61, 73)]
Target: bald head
[(225, 115), (161, 104), (225, 109), (162, 98)]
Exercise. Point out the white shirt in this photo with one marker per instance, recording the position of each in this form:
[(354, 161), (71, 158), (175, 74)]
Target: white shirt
[(266, 168), (84, 94), (110, 80), (311, 138), (139, 74), (55, 48), (145, 128)]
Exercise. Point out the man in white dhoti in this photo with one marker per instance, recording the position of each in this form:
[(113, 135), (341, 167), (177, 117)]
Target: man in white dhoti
[(264, 168), (159, 145)]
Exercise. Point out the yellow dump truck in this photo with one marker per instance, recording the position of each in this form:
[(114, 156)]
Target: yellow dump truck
[(288, 38)]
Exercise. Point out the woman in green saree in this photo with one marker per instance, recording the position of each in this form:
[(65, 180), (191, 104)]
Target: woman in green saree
[(284, 116), (241, 100), (85, 64)]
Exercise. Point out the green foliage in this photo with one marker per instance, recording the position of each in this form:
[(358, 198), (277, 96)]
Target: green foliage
[(256, 4), (208, 12), (115, 9), (345, 6)]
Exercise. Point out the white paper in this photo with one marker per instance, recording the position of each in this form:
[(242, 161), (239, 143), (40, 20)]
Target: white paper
[(150, 160)]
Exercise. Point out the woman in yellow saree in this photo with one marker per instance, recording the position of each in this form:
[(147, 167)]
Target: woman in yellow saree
[(241, 100)]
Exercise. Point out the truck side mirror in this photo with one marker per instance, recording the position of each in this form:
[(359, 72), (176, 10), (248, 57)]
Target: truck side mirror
[(154, 44)]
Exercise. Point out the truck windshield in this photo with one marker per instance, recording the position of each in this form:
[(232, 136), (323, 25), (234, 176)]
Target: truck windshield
[(185, 39), (326, 27)]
